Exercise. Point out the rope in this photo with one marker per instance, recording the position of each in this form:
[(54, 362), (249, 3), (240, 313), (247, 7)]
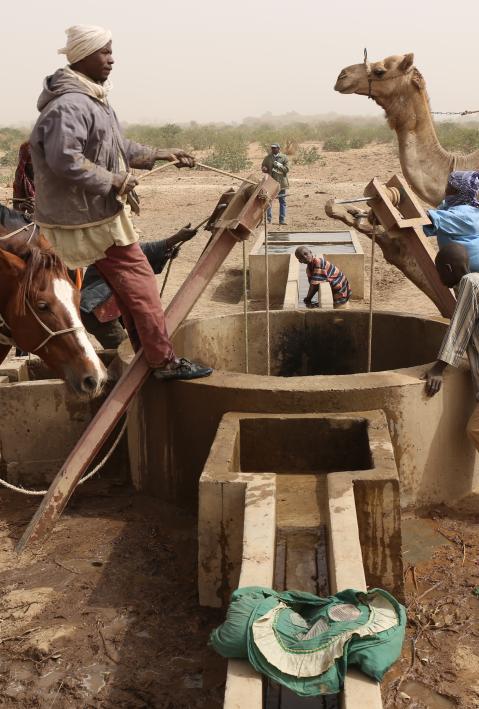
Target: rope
[(176, 251), (371, 293), (98, 467), (165, 280), (266, 270), (245, 311), (228, 174), (197, 164)]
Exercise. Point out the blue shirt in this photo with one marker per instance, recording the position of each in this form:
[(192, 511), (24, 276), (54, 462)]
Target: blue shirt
[(456, 225)]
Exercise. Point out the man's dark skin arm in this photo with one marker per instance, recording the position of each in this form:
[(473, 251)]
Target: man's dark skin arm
[(313, 289), (184, 234), (452, 263)]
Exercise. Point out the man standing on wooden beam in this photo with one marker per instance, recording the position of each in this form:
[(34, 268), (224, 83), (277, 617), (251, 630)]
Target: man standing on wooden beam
[(84, 191)]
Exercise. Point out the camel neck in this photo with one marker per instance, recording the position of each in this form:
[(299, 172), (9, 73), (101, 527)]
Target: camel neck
[(424, 161)]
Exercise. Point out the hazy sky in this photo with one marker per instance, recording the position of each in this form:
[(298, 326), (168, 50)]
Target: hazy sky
[(220, 60)]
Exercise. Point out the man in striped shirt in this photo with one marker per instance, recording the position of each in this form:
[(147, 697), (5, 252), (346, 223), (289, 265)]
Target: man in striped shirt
[(318, 270), (462, 336)]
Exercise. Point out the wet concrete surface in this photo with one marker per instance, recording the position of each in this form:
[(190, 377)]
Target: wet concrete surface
[(420, 539)]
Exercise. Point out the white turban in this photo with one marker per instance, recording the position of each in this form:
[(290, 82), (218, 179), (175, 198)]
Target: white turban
[(83, 40)]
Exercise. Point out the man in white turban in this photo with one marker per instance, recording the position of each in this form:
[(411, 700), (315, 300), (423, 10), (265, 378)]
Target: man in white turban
[(82, 162), (83, 40)]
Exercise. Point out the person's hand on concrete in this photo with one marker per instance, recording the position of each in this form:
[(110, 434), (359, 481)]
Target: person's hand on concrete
[(181, 157), (434, 377), (121, 184)]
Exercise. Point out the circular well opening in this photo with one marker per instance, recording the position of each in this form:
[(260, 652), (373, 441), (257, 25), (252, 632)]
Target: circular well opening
[(308, 343)]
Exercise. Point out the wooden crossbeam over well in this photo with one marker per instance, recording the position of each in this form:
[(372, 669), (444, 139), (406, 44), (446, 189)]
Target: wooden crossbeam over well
[(407, 220)]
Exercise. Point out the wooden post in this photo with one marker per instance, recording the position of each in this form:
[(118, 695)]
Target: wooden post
[(407, 220)]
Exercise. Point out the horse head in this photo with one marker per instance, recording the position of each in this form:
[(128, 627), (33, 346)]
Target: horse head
[(40, 307)]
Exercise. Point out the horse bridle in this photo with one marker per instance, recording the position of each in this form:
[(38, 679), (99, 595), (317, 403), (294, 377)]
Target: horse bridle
[(6, 340)]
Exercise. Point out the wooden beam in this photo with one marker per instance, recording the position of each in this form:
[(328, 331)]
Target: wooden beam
[(245, 212), (407, 220)]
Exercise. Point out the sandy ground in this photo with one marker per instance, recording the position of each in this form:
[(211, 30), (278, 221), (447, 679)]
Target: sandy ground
[(105, 614)]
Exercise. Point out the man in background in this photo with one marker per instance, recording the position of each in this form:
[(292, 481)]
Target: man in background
[(276, 165)]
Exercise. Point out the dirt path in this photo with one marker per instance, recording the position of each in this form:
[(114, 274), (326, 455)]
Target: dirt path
[(105, 613)]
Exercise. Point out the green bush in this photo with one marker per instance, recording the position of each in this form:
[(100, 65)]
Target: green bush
[(336, 144), (230, 153), (308, 156), (458, 138), (10, 141)]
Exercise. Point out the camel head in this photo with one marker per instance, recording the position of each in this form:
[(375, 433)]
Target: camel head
[(377, 79)]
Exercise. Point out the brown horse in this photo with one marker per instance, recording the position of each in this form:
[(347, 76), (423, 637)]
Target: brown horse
[(39, 307)]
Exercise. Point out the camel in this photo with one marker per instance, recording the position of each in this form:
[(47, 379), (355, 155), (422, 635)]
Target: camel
[(399, 88)]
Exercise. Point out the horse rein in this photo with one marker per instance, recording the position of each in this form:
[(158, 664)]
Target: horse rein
[(5, 339)]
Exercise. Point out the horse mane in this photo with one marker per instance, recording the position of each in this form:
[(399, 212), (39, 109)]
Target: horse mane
[(39, 261)]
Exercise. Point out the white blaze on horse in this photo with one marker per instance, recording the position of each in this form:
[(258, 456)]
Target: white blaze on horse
[(39, 308)]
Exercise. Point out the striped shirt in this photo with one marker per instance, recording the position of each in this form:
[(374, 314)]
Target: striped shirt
[(318, 270), (463, 332)]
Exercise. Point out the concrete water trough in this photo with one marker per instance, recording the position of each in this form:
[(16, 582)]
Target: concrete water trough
[(298, 501), (287, 277), (40, 422)]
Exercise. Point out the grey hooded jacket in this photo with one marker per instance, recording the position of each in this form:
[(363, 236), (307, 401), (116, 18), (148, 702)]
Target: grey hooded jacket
[(75, 144)]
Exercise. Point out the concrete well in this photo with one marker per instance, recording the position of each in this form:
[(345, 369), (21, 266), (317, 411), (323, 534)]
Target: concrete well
[(318, 360)]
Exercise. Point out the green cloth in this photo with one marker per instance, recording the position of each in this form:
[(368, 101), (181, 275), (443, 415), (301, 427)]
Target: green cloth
[(278, 174), (306, 642)]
